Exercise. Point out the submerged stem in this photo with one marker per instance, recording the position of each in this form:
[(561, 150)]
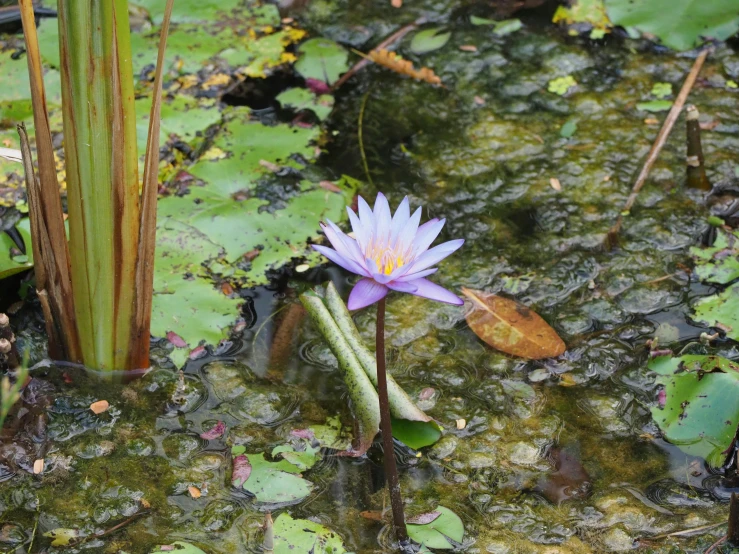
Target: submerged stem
[(391, 471)]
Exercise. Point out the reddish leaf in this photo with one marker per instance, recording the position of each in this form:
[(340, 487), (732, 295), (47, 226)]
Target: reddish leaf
[(423, 519), (317, 87), (198, 352), (511, 327), (241, 471), (175, 339), (215, 432), (329, 186), (302, 434)]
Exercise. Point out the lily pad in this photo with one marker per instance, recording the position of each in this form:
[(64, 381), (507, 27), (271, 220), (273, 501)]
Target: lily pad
[(299, 99), (441, 532), (720, 310), (590, 14), (562, 85), (679, 24), (701, 411), (661, 90), (273, 482), (718, 263), (416, 434), (654, 106), (429, 40), (178, 547), (500, 28), (322, 59), (302, 535)]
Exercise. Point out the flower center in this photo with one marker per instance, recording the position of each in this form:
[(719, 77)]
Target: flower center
[(387, 258)]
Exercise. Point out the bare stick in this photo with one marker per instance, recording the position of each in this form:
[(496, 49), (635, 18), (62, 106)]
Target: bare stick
[(657, 146), (696, 169), (389, 41), (715, 545)]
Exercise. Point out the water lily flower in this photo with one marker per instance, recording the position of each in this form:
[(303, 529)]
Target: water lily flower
[(390, 253)]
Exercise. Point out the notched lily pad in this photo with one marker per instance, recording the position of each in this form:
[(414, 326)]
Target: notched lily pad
[(301, 535), (441, 532), (272, 482), (720, 311), (718, 263)]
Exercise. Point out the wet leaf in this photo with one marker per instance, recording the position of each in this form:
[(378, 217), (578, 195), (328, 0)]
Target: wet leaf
[(654, 106), (423, 519), (301, 535), (299, 99), (62, 536), (11, 261), (718, 263), (587, 14), (511, 327), (322, 59), (429, 40), (214, 432), (661, 90), (194, 492), (568, 480), (302, 459), (271, 482), (100, 406), (701, 412), (178, 547), (568, 129), (679, 24), (415, 434), (241, 470), (721, 311), (561, 85), (441, 532), (507, 26)]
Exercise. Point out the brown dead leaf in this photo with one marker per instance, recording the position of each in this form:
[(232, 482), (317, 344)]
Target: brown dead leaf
[(461, 423), (38, 466), (194, 491), (468, 48), (555, 184), (100, 406), (511, 327), (329, 186), (372, 515)]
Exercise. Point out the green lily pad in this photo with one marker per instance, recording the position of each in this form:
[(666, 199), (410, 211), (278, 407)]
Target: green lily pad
[(416, 434), (590, 14), (500, 28), (12, 264), (720, 310), (302, 535), (661, 90), (299, 99), (679, 24), (178, 547), (568, 129), (429, 40), (654, 106), (701, 410), (322, 59), (273, 482), (440, 533), (302, 459), (718, 263), (562, 85)]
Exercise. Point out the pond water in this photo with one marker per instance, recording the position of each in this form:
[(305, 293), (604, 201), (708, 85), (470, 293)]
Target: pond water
[(480, 152)]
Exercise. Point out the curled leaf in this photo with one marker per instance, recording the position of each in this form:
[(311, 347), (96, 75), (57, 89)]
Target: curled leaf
[(214, 432), (241, 470), (511, 327)]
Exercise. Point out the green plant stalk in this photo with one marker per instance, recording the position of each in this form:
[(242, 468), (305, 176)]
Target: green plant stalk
[(102, 174), (401, 405), (364, 398)]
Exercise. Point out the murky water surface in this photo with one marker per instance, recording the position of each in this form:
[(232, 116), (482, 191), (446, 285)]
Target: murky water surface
[(480, 152)]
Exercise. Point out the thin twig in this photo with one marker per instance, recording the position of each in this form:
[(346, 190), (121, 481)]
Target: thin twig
[(360, 135), (688, 532), (657, 146), (389, 41), (109, 531), (715, 545)]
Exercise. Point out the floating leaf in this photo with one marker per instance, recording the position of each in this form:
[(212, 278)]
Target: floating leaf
[(721, 311), (718, 263), (241, 470), (569, 128), (302, 459), (215, 432), (178, 547), (423, 519), (99, 407), (661, 90), (590, 14), (62, 536), (293, 536), (679, 24), (441, 532), (654, 106), (299, 99), (511, 327), (561, 85), (269, 482), (322, 59), (701, 412), (429, 40), (504, 27)]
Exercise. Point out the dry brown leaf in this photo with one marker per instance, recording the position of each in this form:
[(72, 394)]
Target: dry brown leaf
[(468, 48), (194, 491), (38, 466), (100, 406), (511, 327), (555, 184), (461, 423), (392, 61), (372, 515)]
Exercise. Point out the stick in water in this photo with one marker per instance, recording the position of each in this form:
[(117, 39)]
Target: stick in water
[(664, 132), (696, 169)]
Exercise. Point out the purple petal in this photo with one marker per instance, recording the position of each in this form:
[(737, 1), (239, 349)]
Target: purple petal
[(408, 234), (366, 217), (343, 244), (435, 255), (427, 234), (382, 219), (403, 287), (432, 291), (364, 293), (417, 275), (362, 233), (402, 214), (338, 259)]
